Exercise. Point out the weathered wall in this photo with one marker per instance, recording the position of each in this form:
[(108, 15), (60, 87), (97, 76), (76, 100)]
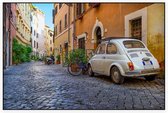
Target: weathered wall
[(155, 30)]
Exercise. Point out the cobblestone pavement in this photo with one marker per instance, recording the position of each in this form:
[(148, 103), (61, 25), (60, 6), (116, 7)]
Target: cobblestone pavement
[(37, 86)]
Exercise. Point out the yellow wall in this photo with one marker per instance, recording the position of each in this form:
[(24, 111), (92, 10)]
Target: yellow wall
[(48, 38), (61, 41), (62, 37), (155, 31)]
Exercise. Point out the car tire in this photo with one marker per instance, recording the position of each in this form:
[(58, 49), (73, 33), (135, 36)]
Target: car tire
[(116, 76), (150, 78), (90, 72)]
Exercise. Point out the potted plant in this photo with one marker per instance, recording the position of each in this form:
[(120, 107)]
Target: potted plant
[(74, 55), (58, 59)]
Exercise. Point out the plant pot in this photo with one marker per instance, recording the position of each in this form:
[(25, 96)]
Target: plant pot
[(74, 67), (57, 62)]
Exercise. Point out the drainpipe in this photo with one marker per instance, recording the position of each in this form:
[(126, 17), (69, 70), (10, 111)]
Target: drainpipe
[(9, 30), (68, 24), (74, 27), (4, 35)]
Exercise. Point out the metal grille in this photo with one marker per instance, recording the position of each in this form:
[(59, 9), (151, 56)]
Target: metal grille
[(136, 29)]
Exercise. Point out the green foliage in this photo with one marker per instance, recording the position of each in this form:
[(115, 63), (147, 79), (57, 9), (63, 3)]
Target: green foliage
[(58, 57), (35, 58), (78, 54), (21, 53)]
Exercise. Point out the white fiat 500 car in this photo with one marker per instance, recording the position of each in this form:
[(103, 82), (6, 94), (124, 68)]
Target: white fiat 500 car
[(121, 58)]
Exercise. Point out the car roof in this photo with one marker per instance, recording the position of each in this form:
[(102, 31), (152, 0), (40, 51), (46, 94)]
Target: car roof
[(120, 40)]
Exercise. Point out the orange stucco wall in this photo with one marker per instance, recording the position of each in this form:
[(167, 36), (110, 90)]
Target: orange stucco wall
[(110, 15)]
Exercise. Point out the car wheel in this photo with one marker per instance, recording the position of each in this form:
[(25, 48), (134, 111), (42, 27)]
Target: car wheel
[(116, 76), (150, 78), (90, 72)]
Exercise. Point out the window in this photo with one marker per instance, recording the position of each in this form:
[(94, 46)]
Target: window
[(37, 35), (136, 30), (60, 27), (60, 5), (34, 33), (55, 10), (34, 44), (30, 17), (37, 45), (60, 48), (133, 44), (31, 29), (80, 9), (101, 49), (53, 39), (111, 49), (55, 30), (50, 41), (81, 43), (31, 41), (51, 34), (65, 21)]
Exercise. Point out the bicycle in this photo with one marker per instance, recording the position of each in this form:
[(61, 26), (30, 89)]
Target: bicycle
[(77, 67)]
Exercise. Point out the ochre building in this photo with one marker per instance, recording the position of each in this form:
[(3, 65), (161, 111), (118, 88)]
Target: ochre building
[(48, 33), (63, 29), (95, 21), (141, 21)]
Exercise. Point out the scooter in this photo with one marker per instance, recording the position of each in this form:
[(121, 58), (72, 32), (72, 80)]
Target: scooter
[(49, 61)]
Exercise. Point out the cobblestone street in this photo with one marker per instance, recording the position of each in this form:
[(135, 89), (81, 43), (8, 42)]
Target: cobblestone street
[(35, 85)]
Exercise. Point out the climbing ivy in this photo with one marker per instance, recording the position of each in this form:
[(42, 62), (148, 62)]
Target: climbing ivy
[(21, 53)]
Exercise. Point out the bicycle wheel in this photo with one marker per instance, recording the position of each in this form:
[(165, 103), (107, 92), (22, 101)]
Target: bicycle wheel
[(74, 69)]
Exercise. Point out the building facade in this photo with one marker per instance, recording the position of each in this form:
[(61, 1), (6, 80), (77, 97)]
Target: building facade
[(49, 42), (63, 29), (37, 30), (23, 34), (9, 32), (141, 21), (92, 22)]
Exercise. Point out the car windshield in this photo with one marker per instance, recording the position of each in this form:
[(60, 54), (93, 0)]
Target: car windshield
[(133, 44)]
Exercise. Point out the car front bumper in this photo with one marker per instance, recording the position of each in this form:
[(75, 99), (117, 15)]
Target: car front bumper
[(145, 72)]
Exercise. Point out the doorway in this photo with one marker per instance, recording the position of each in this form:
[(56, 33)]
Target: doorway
[(81, 43), (66, 49), (98, 36)]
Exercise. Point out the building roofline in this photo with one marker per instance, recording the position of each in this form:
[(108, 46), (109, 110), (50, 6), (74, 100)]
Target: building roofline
[(36, 9)]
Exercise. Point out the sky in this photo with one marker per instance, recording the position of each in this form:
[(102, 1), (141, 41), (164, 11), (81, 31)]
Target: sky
[(47, 9)]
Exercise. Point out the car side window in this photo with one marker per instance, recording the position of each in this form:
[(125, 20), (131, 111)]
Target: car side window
[(111, 49), (101, 49)]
